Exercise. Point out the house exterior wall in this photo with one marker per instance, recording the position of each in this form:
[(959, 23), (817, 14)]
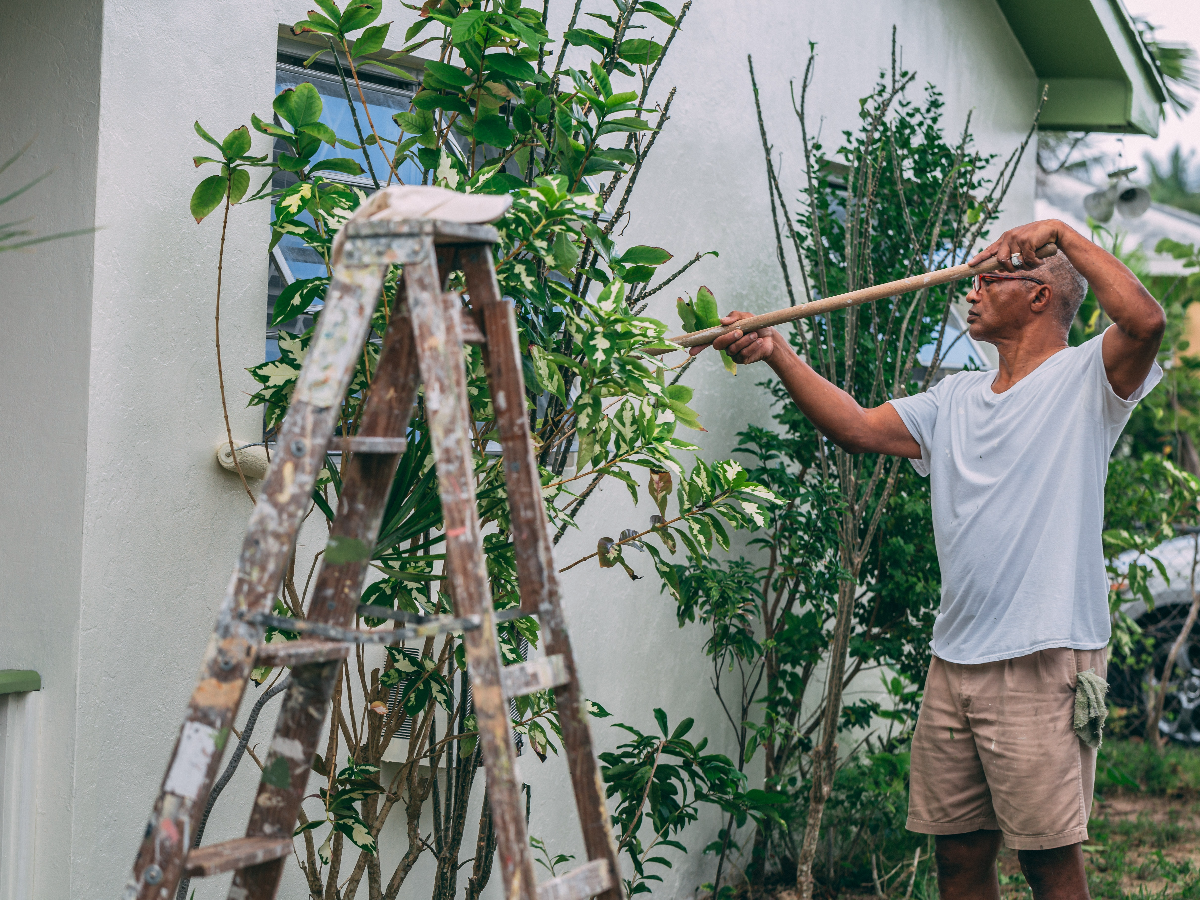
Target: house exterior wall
[(134, 550), (49, 78)]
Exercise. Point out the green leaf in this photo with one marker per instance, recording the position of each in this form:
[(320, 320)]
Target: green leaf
[(492, 130), (447, 74), (417, 27), (566, 253), (361, 14), (682, 728), (467, 25), (330, 8), (317, 23), (371, 40), (623, 124), (239, 183), (706, 309), (639, 51), (295, 299), (269, 128), (236, 143), (419, 122), (308, 826), (208, 196), (338, 164), (661, 718), (585, 37), (208, 137), (290, 163), (509, 67), (596, 710), (451, 102), (298, 106), (644, 256), (320, 131), (657, 10), (687, 314), (602, 80)]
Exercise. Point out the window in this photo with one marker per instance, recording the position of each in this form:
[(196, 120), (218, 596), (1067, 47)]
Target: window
[(386, 94)]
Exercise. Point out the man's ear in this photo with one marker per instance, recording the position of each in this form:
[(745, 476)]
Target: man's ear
[(1042, 299)]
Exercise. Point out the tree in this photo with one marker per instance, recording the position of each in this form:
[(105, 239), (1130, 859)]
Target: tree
[(850, 578), (496, 111)]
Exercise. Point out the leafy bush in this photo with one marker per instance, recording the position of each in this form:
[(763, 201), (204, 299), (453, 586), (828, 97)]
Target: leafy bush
[(495, 110), (846, 578), (1137, 766)]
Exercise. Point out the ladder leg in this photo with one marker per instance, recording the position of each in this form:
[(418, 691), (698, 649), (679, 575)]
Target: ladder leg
[(229, 657), (366, 481), (535, 560), (437, 332)]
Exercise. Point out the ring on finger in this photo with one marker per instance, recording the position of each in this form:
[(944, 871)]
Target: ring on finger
[(1016, 260)]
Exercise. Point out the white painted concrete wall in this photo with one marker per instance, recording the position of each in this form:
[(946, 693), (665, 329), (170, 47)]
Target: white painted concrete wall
[(49, 81), (123, 524)]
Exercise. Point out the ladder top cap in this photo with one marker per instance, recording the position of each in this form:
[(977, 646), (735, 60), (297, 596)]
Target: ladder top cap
[(401, 203)]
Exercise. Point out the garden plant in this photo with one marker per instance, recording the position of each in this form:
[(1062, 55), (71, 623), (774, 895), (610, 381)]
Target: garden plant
[(495, 109)]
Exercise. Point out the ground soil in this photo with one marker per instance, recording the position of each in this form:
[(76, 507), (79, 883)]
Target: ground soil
[(1141, 846)]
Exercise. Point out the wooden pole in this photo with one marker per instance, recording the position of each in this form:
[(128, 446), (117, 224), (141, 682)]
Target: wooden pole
[(843, 301)]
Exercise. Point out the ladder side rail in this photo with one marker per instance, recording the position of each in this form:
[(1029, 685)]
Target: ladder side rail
[(436, 325), (270, 536), (366, 483), (535, 559)]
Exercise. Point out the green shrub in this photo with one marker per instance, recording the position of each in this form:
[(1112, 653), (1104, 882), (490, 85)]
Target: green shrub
[(1136, 766)]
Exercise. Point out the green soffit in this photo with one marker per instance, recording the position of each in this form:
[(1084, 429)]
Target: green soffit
[(19, 681), (1088, 54)]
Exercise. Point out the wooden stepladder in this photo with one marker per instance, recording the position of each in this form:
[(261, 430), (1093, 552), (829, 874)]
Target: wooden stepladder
[(431, 232)]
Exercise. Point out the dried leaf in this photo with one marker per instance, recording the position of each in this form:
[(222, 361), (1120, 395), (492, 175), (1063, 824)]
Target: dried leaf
[(660, 488)]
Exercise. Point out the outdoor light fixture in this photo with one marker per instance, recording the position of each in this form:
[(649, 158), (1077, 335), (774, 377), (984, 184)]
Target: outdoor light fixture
[(1122, 196)]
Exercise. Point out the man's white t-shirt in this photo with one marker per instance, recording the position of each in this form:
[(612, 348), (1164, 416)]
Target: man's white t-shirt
[(1017, 482)]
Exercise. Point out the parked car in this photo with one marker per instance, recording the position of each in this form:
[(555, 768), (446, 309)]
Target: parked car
[(1163, 622)]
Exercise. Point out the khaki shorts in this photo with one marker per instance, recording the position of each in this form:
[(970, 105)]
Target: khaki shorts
[(995, 750)]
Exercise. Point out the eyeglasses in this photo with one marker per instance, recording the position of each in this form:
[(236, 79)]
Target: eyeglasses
[(981, 280)]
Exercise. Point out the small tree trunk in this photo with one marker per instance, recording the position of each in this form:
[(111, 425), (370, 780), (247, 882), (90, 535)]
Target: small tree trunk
[(1152, 733), (485, 852), (825, 754)]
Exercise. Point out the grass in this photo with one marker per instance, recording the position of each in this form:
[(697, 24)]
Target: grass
[(1144, 836), (1135, 765)]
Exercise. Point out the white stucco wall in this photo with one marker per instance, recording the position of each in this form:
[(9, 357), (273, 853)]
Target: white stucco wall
[(49, 73), (122, 522)]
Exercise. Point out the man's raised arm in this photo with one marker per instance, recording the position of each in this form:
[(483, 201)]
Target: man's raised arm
[(1129, 348), (835, 413)]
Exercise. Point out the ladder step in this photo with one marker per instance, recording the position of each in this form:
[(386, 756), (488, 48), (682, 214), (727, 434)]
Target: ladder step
[(436, 625), (300, 652), (396, 615), (229, 856), (533, 676), (360, 443), (508, 615), (470, 330), (588, 880)]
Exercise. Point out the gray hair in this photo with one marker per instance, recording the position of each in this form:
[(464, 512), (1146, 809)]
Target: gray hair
[(1068, 285)]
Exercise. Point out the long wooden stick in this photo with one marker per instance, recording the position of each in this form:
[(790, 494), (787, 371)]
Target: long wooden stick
[(843, 301)]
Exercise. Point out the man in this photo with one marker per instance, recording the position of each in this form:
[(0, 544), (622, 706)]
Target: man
[(1017, 459)]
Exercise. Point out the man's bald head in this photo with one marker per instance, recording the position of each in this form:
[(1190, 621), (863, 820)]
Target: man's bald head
[(1068, 285)]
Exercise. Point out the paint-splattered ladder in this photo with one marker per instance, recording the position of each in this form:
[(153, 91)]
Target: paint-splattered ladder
[(430, 232)]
